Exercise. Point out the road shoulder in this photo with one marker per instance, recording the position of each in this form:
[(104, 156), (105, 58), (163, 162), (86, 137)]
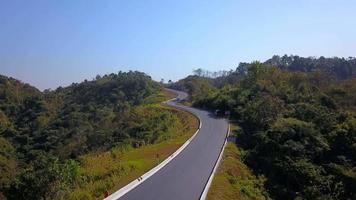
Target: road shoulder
[(233, 179)]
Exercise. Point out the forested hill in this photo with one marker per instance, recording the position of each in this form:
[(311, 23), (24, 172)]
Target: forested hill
[(35, 121), (339, 68), (40, 132), (334, 68), (298, 129)]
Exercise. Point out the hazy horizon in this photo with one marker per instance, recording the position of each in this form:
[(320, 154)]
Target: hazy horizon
[(54, 43)]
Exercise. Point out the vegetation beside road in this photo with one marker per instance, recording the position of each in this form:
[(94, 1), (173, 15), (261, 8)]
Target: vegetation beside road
[(114, 169), (233, 179), (298, 122), (297, 118), (52, 141)]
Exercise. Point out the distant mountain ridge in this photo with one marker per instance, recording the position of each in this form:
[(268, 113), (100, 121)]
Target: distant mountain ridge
[(340, 68), (335, 68)]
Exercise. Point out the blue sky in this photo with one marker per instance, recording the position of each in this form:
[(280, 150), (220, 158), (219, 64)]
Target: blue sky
[(51, 43)]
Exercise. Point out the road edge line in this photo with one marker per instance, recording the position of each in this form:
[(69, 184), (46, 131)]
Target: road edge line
[(217, 163), (130, 186)]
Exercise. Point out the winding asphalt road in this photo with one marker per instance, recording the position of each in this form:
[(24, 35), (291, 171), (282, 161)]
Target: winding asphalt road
[(185, 177)]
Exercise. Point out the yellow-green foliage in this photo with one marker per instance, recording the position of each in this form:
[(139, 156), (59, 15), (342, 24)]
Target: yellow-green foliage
[(4, 121), (114, 169), (160, 97), (7, 162), (234, 180)]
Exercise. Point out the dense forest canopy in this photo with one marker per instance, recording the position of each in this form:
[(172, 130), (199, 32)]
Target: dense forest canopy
[(45, 121), (43, 133), (335, 68), (298, 119), (340, 68)]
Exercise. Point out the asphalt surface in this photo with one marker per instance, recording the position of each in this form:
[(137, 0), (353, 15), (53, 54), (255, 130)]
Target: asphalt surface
[(185, 177)]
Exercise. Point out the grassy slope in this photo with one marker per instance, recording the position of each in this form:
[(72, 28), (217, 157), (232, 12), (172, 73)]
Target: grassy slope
[(114, 169), (234, 180)]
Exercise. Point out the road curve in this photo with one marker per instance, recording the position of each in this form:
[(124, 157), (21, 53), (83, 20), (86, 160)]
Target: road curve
[(185, 177)]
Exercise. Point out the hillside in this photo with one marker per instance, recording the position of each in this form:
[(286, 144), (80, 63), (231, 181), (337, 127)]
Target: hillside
[(298, 128), (339, 68), (335, 68), (44, 136)]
